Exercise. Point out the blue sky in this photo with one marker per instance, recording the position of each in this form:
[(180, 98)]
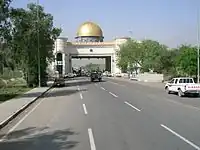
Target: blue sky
[(171, 22)]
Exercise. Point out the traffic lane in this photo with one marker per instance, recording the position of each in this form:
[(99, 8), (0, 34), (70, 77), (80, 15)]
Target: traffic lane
[(191, 101), (181, 118), (118, 126), (78, 81), (57, 122)]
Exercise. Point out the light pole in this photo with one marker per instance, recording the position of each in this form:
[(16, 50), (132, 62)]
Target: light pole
[(198, 46), (38, 46), (131, 34)]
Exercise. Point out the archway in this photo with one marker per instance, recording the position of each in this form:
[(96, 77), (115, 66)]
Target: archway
[(59, 61), (59, 57)]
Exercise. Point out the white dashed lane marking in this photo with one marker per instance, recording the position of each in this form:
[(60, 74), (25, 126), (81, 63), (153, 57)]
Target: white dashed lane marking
[(91, 139), (113, 94), (81, 95), (85, 109), (132, 106), (103, 88), (181, 137)]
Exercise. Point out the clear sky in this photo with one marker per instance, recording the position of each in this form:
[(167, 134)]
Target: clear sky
[(171, 22)]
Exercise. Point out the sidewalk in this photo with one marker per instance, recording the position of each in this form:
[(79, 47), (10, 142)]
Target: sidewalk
[(159, 85), (10, 109)]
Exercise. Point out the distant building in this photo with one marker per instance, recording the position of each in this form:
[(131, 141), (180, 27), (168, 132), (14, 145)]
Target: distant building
[(89, 43)]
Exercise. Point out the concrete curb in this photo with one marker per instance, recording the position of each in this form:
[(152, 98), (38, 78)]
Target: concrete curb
[(15, 114)]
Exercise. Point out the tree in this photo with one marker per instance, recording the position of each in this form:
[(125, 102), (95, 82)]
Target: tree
[(4, 19), (130, 53), (148, 54), (25, 40), (5, 26), (153, 54), (168, 62), (91, 66), (186, 61)]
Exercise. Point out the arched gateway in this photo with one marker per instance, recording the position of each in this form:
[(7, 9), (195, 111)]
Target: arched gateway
[(89, 44)]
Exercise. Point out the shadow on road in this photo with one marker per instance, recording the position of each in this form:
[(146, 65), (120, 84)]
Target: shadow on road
[(39, 138), (81, 83), (64, 92)]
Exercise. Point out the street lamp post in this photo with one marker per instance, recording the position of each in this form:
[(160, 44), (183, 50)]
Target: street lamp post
[(131, 34), (38, 46), (198, 46)]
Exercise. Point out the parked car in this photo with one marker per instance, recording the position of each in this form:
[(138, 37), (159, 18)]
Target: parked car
[(70, 75), (118, 75), (59, 82), (110, 74), (183, 86)]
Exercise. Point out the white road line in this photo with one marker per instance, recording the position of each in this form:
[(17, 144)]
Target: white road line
[(132, 106), (20, 121), (95, 84), (116, 83), (113, 94), (91, 138), (181, 137), (85, 110), (103, 88), (81, 95), (78, 88)]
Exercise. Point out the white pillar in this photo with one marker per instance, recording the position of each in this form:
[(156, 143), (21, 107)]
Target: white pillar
[(115, 68), (63, 63)]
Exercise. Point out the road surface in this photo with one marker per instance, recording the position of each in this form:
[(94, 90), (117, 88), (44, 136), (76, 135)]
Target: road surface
[(110, 115)]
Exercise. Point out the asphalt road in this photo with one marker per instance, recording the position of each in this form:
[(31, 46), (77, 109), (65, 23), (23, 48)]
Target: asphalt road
[(110, 115)]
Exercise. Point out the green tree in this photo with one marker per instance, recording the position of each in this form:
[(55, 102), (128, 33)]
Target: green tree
[(5, 26), (168, 62), (4, 19), (186, 61), (27, 29), (91, 66), (130, 53), (153, 54), (148, 54)]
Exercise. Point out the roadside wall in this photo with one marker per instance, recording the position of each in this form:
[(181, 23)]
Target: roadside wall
[(150, 77), (147, 77)]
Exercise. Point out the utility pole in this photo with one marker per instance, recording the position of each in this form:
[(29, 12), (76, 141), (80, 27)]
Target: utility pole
[(38, 45), (131, 34), (198, 46)]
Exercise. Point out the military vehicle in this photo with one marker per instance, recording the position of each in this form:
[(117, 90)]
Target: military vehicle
[(96, 75)]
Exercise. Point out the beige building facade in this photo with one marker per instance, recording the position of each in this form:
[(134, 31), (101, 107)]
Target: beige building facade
[(89, 43)]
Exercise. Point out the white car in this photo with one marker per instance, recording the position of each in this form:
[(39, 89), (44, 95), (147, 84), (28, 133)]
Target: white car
[(118, 75), (183, 86), (110, 74), (104, 74)]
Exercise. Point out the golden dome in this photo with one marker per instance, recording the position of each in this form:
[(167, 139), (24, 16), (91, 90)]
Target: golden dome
[(89, 29)]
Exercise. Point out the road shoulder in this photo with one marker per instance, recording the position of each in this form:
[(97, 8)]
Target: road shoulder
[(10, 109)]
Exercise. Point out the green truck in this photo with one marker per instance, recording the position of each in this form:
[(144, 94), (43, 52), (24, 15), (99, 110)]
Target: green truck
[(96, 75)]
